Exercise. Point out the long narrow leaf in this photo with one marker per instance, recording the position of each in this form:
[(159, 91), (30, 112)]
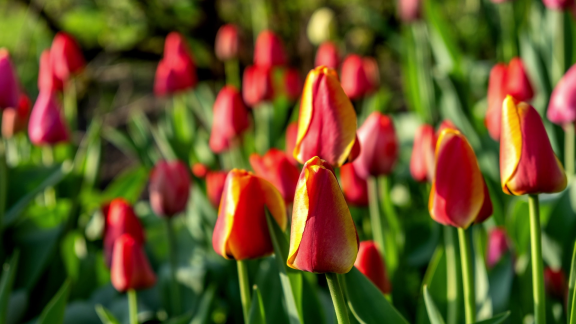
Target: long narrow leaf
[(6, 283), (105, 316), (496, 319), (571, 290), (433, 313), (53, 313), (257, 314)]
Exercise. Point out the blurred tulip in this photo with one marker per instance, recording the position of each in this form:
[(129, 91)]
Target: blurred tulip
[(445, 124), (227, 42), (321, 26), (9, 89), (47, 80), (323, 236), (555, 282), (65, 56), (459, 195), (327, 120), (379, 146), (496, 96), (46, 125), (257, 85), (269, 51), (527, 162), (230, 119), (355, 188), (422, 159), (275, 167), (517, 82), (130, 268), (15, 120), (292, 84), (497, 245), (372, 73), (119, 219), (558, 4), (241, 230), (291, 136), (199, 170), (169, 188), (327, 55), (354, 80), (176, 71), (215, 186), (562, 106), (409, 10), (371, 264)]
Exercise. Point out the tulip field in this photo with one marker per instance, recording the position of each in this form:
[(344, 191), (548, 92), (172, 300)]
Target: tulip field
[(288, 162)]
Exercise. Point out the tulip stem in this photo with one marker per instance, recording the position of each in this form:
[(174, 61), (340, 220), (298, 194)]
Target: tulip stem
[(3, 179), (262, 120), (337, 298), (536, 254), (173, 252), (244, 288), (70, 105), (133, 306), (232, 69), (375, 220), (467, 277), (569, 149), (451, 273), (559, 48)]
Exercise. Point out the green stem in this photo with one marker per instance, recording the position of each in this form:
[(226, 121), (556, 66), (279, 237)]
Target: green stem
[(337, 298), (467, 277), (569, 149), (451, 275), (70, 104), (262, 119), (425, 85), (259, 17), (173, 252), (558, 53), (244, 288), (375, 219), (508, 49), (133, 306), (536, 255), (232, 68), (3, 180)]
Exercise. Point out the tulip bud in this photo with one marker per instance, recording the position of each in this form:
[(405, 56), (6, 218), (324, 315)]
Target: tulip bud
[(371, 264), (555, 282), (327, 120), (215, 186), (230, 119), (227, 42), (169, 188), (176, 71), (199, 170), (517, 82), (66, 56), (354, 80), (496, 95), (291, 136), (409, 10), (354, 187), (445, 124), (323, 236), (269, 51), (327, 55), (275, 167), (379, 146), (120, 219), (562, 106), (459, 195), (527, 162), (47, 80), (46, 125), (130, 268), (558, 4), (292, 84), (422, 159), (241, 230), (497, 246), (9, 89), (14, 120), (257, 85), (372, 73)]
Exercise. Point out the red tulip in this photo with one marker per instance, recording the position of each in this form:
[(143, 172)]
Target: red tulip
[(327, 55), (230, 119), (9, 89), (496, 95), (130, 268), (275, 167), (562, 106), (215, 181), (323, 236), (291, 136), (354, 80), (372, 73), (555, 282), (227, 42), (257, 85), (269, 51), (497, 245), (409, 10), (65, 56), (355, 188), (517, 81), (176, 71), (47, 80), (120, 219), (558, 4), (241, 230), (292, 84), (371, 264), (15, 120), (46, 125), (445, 124), (169, 188), (199, 170), (379, 146), (422, 159)]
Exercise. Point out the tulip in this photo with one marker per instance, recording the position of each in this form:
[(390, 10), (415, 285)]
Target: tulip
[(517, 81), (230, 119), (257, 85), (14, 120), (215, 181), (130, 268), (562, 106), (227, 42), (292, 84), (120, 219), (291, 136), (46, 125), (66, 56), (275, 167), (327, 55), (9, 89), (372, 73), (354, 187), (47, 80), (422, 159), (497, 245), (269, 51), (169, 188), (558, 4), (176, 71), (354, 80), (555, 282), (327, 120), (241, 230), (379, 146), (409, 10), (199, 170), (323, 236), (371, 264), (445, 124), (496, 95)]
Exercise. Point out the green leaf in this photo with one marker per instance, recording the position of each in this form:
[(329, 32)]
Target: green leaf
[(257, 314), (36, 248), (571, 291), (53, 313), (203, 310), (433, 313), (367, 302), (69, 257), (496, 319), (6, 283), (105, 315), (128, 185)]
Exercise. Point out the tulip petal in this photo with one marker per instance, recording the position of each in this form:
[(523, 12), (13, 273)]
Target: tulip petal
[(511, 141)]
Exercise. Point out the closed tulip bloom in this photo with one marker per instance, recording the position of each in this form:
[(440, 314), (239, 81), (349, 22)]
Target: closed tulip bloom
[(230, 119), (354, 187), (15, 120), (323, 236), (459, 195), (496, 95), (47, 80), (46, 125), (409, 10), (555, 282), (130, 268), (9, 89), (275, 167), (354, 80), (66, 56), (327, 120), (562, 106), (292, 84), (372, 74), (327, 55), (497, 245), (241, 230), (379, 146), (169, 188), (176, 71), (199, 170), (527, 162), (518, 83), (269, 51), (371, 264), (558, 4), (422, 159), (215, 181), (257, 85), (227, 42), (445, 124), (119, 219), (291, 136)]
